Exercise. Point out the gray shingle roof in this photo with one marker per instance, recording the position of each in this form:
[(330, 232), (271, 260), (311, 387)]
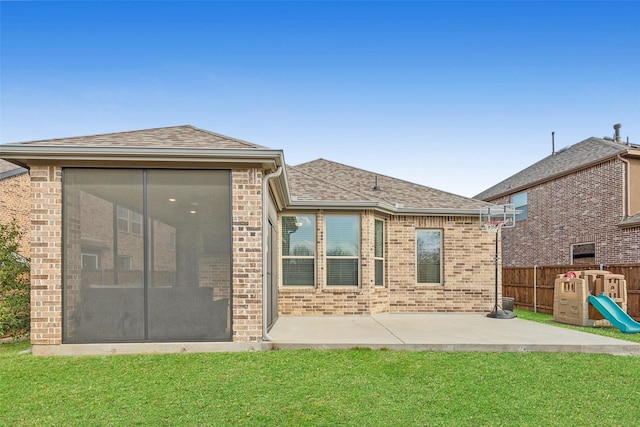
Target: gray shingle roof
[(185, 136), (8, 169), (323, 180), (578, 156), (632, 221)]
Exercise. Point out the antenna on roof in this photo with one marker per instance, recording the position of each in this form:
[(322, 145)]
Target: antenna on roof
[(553, 143), (375, 187)]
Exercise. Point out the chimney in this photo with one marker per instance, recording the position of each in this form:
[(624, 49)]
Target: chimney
[(616, 136)]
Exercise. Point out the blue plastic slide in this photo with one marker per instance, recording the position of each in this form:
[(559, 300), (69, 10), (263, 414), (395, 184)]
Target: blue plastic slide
[(614, 314)]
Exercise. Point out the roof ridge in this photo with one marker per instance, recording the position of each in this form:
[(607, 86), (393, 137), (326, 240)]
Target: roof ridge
[(241, 141), (105, 134), (389, 177), (557, 164)]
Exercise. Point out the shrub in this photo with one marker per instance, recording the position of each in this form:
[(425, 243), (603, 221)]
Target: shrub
[(14, 283)]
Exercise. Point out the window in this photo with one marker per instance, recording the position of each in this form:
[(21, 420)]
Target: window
[(429, 256), (123, 219), (520, 203), (379, 252), (90, 262), (129, 220), (124, 263), (583, 253), (298, 250), (342, 250), (136, 223)]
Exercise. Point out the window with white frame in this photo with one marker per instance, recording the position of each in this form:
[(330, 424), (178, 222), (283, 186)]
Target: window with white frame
[(342, 234), (298, 250), (129, 221), (123, 219), (429, 256), (520, 203), (90, 261), (379, 252)]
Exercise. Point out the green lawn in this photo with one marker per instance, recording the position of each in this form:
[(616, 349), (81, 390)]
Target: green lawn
[(332, 387), (548, 319)]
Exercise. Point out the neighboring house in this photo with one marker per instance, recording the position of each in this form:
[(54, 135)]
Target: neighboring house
[(179, 234), (580, 205), (15, 200)]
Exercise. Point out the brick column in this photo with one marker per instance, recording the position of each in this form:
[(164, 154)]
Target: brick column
[(246, 188), (46, 255)]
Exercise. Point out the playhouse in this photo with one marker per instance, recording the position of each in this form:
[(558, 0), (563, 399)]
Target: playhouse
[(592, 298)]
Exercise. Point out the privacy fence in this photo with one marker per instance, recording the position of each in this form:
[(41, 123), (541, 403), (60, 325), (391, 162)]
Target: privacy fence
[(532, 288)]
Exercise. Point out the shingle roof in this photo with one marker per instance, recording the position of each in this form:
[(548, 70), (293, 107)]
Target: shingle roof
[(185, 136), (590, 151), (323, 180), (8, 169), (632, 221)]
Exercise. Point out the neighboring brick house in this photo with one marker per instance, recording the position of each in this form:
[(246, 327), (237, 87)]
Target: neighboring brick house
[(156, 236), (15, 200), (580, 205)]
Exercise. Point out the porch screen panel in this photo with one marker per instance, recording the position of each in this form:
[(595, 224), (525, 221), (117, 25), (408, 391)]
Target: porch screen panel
[(189, 241), (103, 255)]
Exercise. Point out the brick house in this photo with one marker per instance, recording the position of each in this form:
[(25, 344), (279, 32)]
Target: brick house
[(14, 200), (183, 235), (580, 205)]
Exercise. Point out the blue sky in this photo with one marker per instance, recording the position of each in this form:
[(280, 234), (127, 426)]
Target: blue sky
[(453, 95)]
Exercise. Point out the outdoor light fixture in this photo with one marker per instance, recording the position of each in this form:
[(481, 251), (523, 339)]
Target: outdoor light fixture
[(172, 199)]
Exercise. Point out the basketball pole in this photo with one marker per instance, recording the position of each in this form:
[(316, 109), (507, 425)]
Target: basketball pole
[(499, 313)]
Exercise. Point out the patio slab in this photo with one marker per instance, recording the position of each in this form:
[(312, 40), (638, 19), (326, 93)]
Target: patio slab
[(439, 332)]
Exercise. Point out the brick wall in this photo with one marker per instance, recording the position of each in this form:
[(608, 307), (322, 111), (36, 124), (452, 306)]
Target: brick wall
[(468, 272), (15, 203), (583, 207), (46, 255), (246, 189)]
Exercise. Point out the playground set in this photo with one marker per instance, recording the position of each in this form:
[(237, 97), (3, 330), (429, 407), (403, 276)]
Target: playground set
[(593, 298)]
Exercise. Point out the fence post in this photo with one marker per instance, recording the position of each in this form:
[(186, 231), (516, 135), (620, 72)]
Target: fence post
[(535, 288)]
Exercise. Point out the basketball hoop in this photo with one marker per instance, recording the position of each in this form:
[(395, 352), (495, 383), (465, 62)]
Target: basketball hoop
[(492, 219), (493, 226)]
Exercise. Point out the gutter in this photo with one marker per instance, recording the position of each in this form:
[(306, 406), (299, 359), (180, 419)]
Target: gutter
[(388, 208), (265, 247), (23, 154)]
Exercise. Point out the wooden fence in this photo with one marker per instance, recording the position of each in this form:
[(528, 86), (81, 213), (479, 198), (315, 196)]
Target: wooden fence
[(532, 288)]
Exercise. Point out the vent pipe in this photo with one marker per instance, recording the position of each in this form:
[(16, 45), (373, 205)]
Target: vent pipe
[(616, 136), (375, 187), (553, 143)]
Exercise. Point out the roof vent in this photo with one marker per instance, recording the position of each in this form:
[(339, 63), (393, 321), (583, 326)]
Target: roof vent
[(375, 187), (616, 135)]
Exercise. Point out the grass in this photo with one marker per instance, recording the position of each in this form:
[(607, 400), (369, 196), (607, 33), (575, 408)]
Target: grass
[(604, 331), (319, 387)]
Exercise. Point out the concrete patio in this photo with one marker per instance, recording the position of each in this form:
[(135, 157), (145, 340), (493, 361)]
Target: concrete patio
[(438, 332)]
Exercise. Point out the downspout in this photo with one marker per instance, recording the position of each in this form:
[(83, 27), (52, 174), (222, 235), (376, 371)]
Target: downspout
[(627, 184), (265, 247)]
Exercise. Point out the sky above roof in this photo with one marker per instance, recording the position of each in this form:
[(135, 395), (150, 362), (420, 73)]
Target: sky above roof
[(452, 95)]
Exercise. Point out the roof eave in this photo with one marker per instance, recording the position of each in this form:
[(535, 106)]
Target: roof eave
[(25, 155), (381, 207)]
